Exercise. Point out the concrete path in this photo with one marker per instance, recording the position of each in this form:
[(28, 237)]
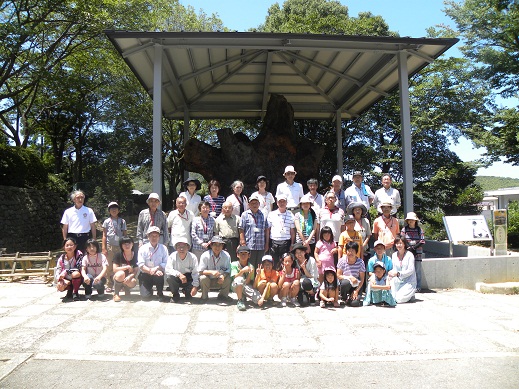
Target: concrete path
[(448, 338)]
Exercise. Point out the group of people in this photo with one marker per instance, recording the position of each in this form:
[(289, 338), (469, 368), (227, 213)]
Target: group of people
[(310, 249)]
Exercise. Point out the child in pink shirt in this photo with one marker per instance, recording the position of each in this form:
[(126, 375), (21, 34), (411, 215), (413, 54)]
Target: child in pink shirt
[(324, 251)]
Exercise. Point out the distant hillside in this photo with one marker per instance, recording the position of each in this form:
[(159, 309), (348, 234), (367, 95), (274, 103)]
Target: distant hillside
[(493, 183)]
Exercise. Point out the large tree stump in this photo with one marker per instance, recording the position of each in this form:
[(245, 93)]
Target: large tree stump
[(239, 158)]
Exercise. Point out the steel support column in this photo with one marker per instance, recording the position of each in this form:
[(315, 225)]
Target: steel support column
[(157, 121), (340, 158), (405, 125)]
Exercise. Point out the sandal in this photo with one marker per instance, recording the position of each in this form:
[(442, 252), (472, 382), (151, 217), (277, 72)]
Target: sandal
[(336, 304), (322, 304), (109, 290)]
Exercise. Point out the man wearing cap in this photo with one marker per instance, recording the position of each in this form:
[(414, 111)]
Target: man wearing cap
[(317, 198), (226, 225), (114, 228), (386, 227), (293, 191), (341, 201), (242, 276), (192, 198), (214, 269), (182, 271), (253, 230), (380, 256), (152, 259), (281, 230), (180, 221), (358, 191), (79, 222), (387, 194), (152, 217)]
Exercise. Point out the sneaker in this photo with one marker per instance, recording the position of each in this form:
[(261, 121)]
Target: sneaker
[(162, 298), (117, 298), (284, 302), (88, 296), (175, 298), (75, 297), (241, 305), (224, 299), (322, 304), (294, 301)]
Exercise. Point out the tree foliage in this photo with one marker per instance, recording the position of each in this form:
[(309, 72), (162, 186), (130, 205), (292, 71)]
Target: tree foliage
[(490, 30)]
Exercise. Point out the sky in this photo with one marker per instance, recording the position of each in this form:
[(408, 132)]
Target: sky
[(408, 18)]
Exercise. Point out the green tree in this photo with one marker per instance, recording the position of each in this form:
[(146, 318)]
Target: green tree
[(490, 32)]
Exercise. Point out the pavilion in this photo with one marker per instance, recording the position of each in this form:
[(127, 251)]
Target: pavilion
[(229, 75)]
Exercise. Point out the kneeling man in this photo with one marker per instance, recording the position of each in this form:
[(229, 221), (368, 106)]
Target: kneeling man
[(182, 271), (214, 269)]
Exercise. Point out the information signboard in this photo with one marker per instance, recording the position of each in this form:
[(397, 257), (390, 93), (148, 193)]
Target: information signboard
[(467, 228)]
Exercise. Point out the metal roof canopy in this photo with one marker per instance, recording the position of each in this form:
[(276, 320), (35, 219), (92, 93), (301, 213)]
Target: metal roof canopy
[(221, 75)]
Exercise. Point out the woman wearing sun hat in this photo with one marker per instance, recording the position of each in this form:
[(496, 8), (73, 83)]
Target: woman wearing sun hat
[(192, 185), (415, 238), (306, 223)]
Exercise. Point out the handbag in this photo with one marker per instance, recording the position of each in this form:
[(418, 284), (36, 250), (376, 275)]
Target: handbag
[(62, 285)]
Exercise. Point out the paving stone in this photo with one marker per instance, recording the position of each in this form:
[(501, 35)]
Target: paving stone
[(172, 324), (47, 321), (160, 343), (207, 344)]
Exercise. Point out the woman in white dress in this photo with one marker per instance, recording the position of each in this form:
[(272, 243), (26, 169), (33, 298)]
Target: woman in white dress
[(403, 276)]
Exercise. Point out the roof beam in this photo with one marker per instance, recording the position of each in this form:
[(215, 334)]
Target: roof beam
[(217, 65), (306, 78)]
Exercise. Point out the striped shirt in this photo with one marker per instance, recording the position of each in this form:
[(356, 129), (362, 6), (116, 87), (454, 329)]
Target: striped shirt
[(351, 270), (216, 204)]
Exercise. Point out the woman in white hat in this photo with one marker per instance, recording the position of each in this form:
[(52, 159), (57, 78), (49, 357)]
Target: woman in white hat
[(415, 238), (192, 198), (306, 224), (152, 217)]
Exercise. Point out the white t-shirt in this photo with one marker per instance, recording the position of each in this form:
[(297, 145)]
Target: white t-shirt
[(78, 220)]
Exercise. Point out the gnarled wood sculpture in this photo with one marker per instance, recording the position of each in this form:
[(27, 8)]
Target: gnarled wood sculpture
[(238, 157)]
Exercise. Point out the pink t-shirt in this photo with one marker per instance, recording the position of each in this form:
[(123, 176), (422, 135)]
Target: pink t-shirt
[(324, 249)]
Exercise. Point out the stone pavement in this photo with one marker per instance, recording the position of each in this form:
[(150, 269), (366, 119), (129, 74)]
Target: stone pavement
[(35, 326)]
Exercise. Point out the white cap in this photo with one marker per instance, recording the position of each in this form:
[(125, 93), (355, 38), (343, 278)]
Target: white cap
[(337, 178)]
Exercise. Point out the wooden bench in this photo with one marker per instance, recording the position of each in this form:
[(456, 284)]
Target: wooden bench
[(23, 265)]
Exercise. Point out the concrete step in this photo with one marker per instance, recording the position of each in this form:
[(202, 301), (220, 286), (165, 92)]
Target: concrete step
[(498, 288)]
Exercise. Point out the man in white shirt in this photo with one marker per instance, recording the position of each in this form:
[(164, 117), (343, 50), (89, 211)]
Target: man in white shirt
[(387, 194), (79, 222), (215, 270), (317, 198), (182, 271), (179, 222), (152, 259), (281, 229), (291, 189), (359, 192)]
